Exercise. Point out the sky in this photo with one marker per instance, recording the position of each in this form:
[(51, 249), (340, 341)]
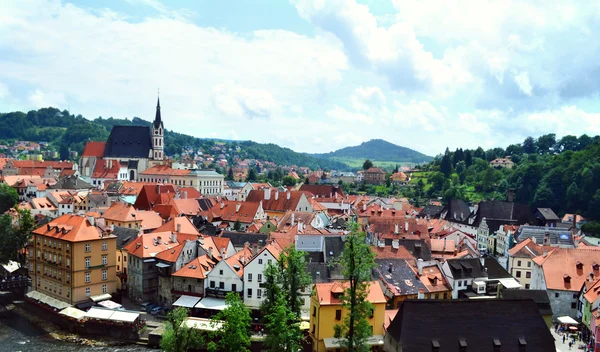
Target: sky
[(314, 76)]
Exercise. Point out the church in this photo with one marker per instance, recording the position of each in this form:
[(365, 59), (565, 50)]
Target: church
[(128, 151)]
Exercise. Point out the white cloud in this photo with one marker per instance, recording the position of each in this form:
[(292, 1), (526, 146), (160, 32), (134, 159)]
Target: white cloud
[(366, 98), (39, 99), (522, 80), (236, 101), (342, 115)]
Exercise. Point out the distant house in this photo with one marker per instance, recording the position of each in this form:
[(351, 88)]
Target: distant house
[(546, 217), (502, 162), (399, 178), (472, 277), (578, 220), (374, 176), (472, 325)]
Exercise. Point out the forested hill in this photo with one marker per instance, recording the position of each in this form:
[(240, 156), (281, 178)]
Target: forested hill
[(64, 129), (378, 149), (560, 174)]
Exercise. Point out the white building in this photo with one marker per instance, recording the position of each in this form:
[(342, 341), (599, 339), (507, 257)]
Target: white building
[(254, 274), (227, 275)]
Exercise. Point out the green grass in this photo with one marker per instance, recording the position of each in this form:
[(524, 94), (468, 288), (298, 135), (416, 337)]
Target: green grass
[(358, 162)]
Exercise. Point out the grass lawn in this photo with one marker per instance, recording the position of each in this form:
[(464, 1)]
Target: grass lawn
[(358, 162)]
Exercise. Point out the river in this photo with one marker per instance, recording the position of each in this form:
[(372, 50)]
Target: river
[(19, 334)]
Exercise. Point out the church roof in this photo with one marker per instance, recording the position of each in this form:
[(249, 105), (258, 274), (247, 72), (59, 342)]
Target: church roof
[(157, 119), (129, 142)]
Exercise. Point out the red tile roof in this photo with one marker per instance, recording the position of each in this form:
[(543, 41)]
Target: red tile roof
[(241, 258), (150, 195), (191, 192), (164, 170), (70, 228), (122, 212), (197, 268), (94, 149), (232, 211), (184, 224), (278, 201), (147, 245), (106, 169), (326, 292), (567, 269)]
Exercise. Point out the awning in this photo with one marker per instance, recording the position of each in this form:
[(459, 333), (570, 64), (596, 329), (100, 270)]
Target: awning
[(50, 301), (110, 304), (334, 343), (73, 312), (162, 265), (186, 301), (567, 320), (211, 303), (128, 317), (33, 295), (102, 297), (202, 324), (510, 283), (99, 313)]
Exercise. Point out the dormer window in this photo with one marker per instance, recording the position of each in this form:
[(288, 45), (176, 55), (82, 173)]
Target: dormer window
[(567, 279), (595, 267), (579, 265)]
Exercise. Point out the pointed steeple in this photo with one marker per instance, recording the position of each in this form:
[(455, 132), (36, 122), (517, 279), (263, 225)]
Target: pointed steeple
[(157, 119)]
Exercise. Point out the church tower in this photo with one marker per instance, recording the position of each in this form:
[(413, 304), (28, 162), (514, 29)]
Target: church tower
[(158, 131)]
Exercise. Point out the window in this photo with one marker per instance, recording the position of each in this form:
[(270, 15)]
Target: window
[(234, 287), (68, 262), (259, 293), (518, 273), (88, 291), (68, 278), (104, 246), (269, 261), (313, 329), (88, 277), (529, 264), (573, 305), (575, 296), (104, 259), (104, 274), (314, 312), (249, 293), (212, 284), (338, 314), (220, 272), (68, 292), (260, 261), (104, 288), (518, 263), (459, 283), (259, 278), (527, 286), (222, 285), (88, 248), (87, 262), (528, 274), (249, 277), (556, 295), (68, 247)]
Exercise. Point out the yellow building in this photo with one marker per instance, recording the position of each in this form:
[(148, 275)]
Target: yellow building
[(326, 311), (123, 215), (71, 260)]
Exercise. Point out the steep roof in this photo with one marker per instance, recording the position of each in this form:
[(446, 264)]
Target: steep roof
[(327, 292), (548, 214), (106, 169), (239, 238), (122, 212), (399, 277), (71, 228), (526, 249), (278, 201), (187, 206), (197, 268), (172, 254), (183, 223), (241, 258), (71, 182), (478, 322), (150, 195), (232, 211), (148, 246), (540, 297), (567, 269), (165, 170), (327, 191), (150, 219), (94, 149), (129, 142)]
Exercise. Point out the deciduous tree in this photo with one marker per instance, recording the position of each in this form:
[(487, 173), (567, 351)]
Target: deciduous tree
[(234, 333), (177, 337), (8, 197)]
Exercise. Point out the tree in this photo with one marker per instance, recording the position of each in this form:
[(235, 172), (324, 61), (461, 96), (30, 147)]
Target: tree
[(446, 165), (357, 261), (237, 225), (529, 145), (289, 181), (272, 284), (8, 197), (283, 330), (234, 332), (177, 337), (367, 164), (252, 175), (230, 174), (14, 236), (64, 152), (546, 143), (294, 276), (468, 158)]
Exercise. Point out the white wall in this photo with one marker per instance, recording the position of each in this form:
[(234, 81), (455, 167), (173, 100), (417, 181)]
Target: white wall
[(256, 267)]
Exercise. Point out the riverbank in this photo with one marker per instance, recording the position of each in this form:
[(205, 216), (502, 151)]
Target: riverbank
[(19, 319)]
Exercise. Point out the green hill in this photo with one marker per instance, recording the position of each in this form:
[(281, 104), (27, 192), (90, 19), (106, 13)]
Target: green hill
[(63, 129), (376, 150)]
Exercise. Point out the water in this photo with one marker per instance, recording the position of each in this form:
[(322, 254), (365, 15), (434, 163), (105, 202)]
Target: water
[(18, 334)]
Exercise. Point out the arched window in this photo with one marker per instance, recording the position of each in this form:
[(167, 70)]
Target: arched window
[(132, 175)]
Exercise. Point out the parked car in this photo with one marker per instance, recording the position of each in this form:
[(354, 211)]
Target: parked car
[(144, 306), (156, 310), (150, 307)]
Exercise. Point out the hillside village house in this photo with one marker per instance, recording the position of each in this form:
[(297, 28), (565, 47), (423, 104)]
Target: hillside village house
[(520, 261), (374, 176), (169, 262), (471, 277), (123, 215), (326, 311), (70, 259), (249, 186), (190, 279), (228, 274), (276, 203), (502, 163)]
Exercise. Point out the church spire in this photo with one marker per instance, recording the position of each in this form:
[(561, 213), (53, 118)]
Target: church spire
[(157, 119)]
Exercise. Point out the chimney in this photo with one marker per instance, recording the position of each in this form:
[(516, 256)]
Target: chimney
[(174, 237), (299, 225), (482, 261), (421, 294), (406, 226), (222, 205), (178, 228), (210, 252), (364, 206), (267, 193), (158, 188), (254, 249), (575, 221), (533, 239), (184, 194), (390, 268), (420, 266), (510, 196), (547, 239), (276, 195), (158, 240), (444, 244), (246, 245), (292, 221), (288, 195)]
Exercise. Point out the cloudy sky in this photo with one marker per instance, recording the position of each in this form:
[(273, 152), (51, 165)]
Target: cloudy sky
[(316, 75)]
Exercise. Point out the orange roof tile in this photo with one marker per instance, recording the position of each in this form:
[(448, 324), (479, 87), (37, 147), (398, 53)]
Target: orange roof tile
[(197, 268), (147, 245), (94, 149), (150, 219), (241, 258), (567, 269), (122, 212), (184, 224), (388, 252), (106, 169), (190, 192), (172, 254), (278, 201), (325, 292), (189, 206), (232, 211), (71, 228), (164, 170)]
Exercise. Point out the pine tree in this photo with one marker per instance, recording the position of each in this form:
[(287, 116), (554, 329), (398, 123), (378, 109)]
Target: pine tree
[(357, 262)]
